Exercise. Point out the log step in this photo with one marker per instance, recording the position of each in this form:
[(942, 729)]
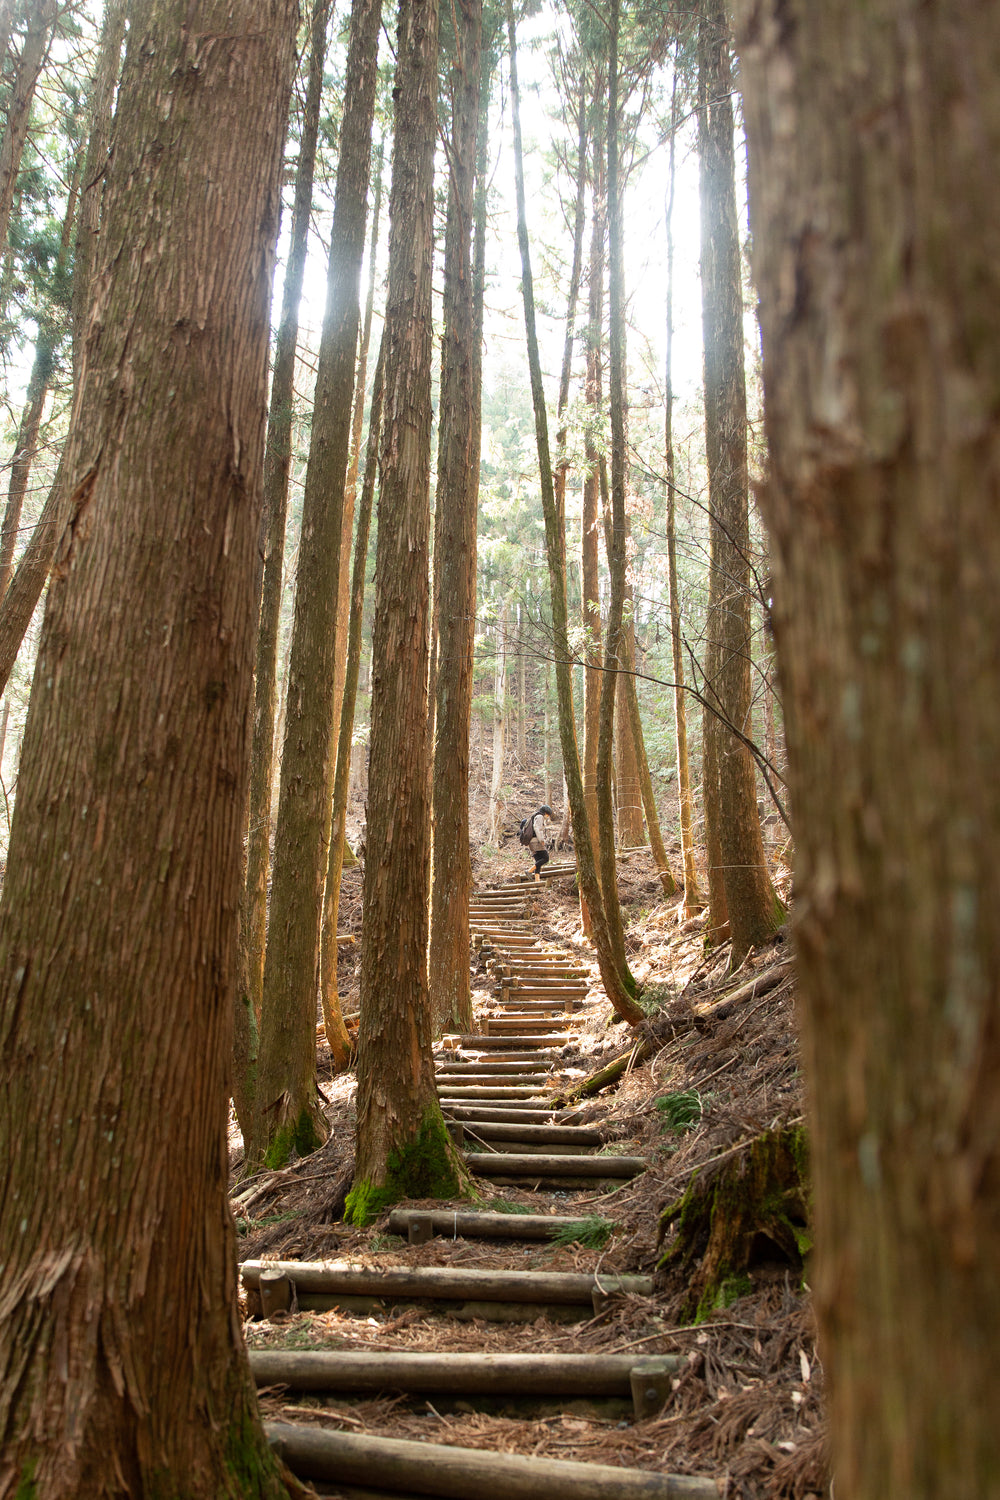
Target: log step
[(491, 1091), (447, 1081), (456, 1099), (531, 1055), (500, 1114), (460, 1473), (477, 1374), (449, 1064), (492, 1226), (444, 1283), (519, 1024), (581, 1136), (507, 1041), (525, 1164)]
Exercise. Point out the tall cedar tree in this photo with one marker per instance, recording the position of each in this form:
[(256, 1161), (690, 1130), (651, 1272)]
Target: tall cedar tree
[(618, 983), (590, 541), (874, 133), (692, 891), (277, 466), (456, 514), (614, 519), (403, 1146), (352, 665), (122, 1368), (754, 911), (287, 1113), (350, 603), (24, 590), (39, 20)]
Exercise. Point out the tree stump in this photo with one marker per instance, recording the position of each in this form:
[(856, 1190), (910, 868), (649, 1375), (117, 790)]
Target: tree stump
[(752, 1209)]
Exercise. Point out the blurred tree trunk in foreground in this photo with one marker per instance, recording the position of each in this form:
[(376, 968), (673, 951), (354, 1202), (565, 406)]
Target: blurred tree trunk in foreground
[(874, 134), (122, 1368)]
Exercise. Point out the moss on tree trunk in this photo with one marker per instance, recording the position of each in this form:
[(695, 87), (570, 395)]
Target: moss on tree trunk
[(755, 1207)]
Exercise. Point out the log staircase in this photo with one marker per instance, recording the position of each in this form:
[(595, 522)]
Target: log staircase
[(496, 1090)]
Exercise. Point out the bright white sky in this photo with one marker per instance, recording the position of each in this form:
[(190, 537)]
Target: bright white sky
[(645, 250)]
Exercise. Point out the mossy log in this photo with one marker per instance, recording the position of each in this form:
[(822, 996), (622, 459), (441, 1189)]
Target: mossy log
[(752, 1208)]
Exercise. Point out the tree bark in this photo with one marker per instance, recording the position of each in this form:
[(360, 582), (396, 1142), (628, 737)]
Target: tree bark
[(618, 984), (754, 910), (333, 1019), (122, 1368), (344, 592), (457, 508), (692, 890), (24, 590), (287, 1115), (88, 225), (497, 808), (277, 466), (403, 1148), (39, 21), (614, 522), (590, 534), (875, 231)]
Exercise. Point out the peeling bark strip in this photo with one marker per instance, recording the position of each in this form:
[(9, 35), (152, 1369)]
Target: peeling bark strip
[(874, 132), (121, 1364)]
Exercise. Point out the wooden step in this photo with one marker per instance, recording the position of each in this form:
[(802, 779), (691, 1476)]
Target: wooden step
[(467, 1091), (508, 1041), (578, 1137), (477, 1374), (447, 1083), (485, 1225), (522, 1024), (443, 1283), (435, 1469), (527, 1164), (536, 1056), (500, 1114), (501, 1069)]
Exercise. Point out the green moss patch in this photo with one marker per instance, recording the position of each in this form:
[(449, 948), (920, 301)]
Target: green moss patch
[(427, 1167)]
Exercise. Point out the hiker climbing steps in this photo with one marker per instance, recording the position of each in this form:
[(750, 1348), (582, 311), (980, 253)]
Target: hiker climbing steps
[(497, 1088)]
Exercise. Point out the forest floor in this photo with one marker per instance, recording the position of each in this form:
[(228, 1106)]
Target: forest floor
[(747, 1407)]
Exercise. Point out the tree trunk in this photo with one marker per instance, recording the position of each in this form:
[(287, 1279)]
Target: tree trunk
[(614, 521), (618, 982), (24, 449), (457, 505), (753, 908), (875, 233), (24, 590), (277, 466), (692, 890), (350, 597), (51, 331), (590, 532), (39, 21), (497, 807), (333, 1019), (122, 1369), (88, 224), (657, 849), (629, 800), (403, 1147), (287, 1115), (344, 592)]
